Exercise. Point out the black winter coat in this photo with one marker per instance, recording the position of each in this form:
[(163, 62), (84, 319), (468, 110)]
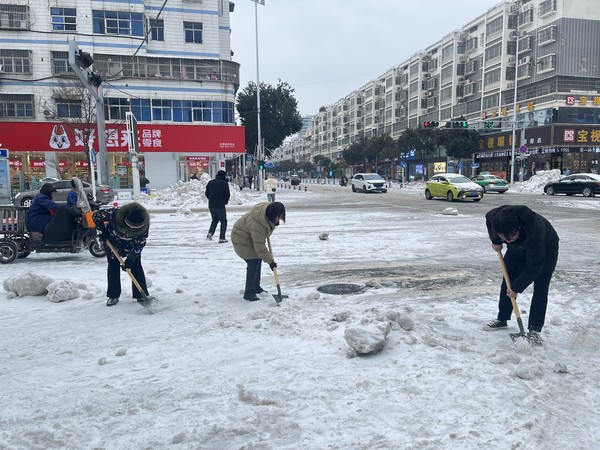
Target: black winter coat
[(537, 244), (217, 192)]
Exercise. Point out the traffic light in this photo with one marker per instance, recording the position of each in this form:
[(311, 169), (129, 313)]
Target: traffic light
[(430, 124), (83, 59), (488, 125), (261, 164), (460, 124)]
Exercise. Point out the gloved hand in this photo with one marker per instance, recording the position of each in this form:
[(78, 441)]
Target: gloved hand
[(128, 264), (273, 265)]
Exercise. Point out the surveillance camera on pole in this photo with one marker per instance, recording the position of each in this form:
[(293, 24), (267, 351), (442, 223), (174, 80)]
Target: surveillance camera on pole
[(81, 63)]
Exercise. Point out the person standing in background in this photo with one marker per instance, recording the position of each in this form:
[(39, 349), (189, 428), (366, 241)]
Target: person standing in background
[(270, 188), (218, 194)]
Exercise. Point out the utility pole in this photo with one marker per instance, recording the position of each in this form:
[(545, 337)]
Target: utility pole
[(259, 145), (81, 62)]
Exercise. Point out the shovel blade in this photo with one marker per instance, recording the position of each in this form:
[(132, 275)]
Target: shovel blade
[(532, 338), (279, 296)]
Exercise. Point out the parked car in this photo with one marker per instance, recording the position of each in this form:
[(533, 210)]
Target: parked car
[(452, 186), (586, 184), (295, 180), (491, 183), (104, 194), (368, 182)]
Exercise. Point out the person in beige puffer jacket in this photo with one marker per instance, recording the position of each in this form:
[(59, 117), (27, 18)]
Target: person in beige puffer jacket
[(249, 236)]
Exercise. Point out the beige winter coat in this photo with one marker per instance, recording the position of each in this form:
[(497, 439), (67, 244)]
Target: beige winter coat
[(270, 185), (250, 232)]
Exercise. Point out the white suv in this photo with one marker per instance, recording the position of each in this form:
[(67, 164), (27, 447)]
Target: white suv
[(368, 182)]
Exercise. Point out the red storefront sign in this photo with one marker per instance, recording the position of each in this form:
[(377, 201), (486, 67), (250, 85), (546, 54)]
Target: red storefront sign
[(48, 136)]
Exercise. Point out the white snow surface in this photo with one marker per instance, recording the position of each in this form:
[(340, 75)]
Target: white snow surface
[(212, 371)]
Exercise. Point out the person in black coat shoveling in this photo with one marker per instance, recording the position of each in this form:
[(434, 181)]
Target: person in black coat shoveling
[(531, 256), (218, 194), (126, 228)]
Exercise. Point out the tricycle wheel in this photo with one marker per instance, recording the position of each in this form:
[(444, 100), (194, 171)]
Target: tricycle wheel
[(23, 255), (96, 249), (8, 252)]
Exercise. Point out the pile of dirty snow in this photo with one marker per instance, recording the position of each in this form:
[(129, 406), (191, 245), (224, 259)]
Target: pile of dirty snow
[(190, 194), (537, 182)]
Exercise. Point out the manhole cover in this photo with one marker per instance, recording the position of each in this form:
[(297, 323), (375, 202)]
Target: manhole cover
[(340, 288)]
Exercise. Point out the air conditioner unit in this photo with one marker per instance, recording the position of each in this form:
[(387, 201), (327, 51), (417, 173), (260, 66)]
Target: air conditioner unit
[(48, 113), (426, 75), (427, 94), (463, 36), (514, 8), (426, 57), (513, 35), (525, 60), (463, 59), (512, 60), (461, 80), (510, 85), (527, 7)]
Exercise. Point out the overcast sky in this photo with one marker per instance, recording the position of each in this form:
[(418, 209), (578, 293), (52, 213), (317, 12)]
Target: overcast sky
[(326, 49)]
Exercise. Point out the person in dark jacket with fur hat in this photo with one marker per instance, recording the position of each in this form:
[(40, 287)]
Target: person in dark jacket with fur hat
[(127, 230), (218, 194), (531, 256), (249, 236)]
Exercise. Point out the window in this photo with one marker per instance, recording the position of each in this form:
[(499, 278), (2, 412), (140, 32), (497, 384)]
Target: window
[(526, 17), (493, 52), (68, 108), (18, 106), (492, 77), (471, 45), (114, 22), (446, 74), (63, 19), (546, 63), (158, 29), (115, 108), (193, 32), (162, 110), (177, 110), (14, 16), (547, 7), (447, 52), (446, 93), (60, 63), (525, 44), (547, 35), (15, 61), (494, 26), (490, 101)]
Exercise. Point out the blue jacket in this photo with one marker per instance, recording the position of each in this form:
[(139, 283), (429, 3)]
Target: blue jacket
[(72, 198), (40, 212)]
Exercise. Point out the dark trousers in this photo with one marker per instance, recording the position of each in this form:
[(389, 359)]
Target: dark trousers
[(252, 275), (114, 278), (218, 215), (539, 302)]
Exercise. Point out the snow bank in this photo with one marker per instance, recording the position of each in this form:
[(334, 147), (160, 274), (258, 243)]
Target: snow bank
[(27, 283), (537, 182)]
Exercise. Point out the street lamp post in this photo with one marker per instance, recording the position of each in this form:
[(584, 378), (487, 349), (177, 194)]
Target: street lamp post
[(259, 146)]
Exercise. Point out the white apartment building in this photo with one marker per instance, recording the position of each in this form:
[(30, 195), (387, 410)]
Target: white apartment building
[(171, 66), (545, 51)]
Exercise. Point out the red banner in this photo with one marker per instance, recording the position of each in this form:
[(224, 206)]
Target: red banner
[(62, 137)]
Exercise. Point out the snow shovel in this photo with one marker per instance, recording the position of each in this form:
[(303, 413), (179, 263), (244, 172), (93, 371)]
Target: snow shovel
[(279, 296), (513, 300), (147, 302)]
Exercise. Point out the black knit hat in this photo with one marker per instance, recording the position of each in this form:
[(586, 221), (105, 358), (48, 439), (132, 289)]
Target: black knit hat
[(132, 220), (47, 189), (135, 219)]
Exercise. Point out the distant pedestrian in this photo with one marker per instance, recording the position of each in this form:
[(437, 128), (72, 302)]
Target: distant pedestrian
[(194, 176), (126, 228), (531, 256), (249, 236), (241, 182), (218, 194), (270, 188)]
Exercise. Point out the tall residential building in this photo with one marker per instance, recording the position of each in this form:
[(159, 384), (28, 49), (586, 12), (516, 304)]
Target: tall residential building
[(545, 51), (170, 66)]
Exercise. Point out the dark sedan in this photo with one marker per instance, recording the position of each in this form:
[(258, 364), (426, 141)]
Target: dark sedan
[(586, 184)]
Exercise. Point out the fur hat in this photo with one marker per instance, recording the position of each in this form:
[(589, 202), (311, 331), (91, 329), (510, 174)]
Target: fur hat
[(48, 189), (132, 220)]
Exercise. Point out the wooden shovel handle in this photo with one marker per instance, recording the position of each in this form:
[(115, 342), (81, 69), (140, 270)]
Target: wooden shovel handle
[(272, 257), (513, 300), (122, 262)]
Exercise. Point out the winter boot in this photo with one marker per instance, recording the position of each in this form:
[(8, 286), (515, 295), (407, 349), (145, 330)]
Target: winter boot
[(112, 301), (209, 237), (251, 297), (223, 241)]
